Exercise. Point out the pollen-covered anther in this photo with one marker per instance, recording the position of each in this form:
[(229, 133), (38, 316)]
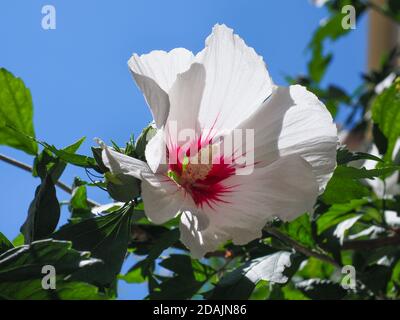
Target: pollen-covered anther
[(195, 172), (199, 166)]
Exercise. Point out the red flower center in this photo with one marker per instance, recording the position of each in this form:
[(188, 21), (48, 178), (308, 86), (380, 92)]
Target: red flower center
[(200, 170)]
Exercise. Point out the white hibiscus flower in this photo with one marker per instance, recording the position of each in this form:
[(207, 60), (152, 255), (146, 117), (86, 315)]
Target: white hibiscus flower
[(224, 88)]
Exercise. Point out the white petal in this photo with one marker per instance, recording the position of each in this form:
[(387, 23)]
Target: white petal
[(161, 66), (156, 152), (294, 121), (192, 237), (163, 199), (155, 74), (286, 189), (156, 98), (237, 80), (120, 163), (185, 99)]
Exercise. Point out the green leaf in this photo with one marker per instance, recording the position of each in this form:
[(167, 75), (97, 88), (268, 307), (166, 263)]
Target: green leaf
[(343, 172), (338, 213), (300, 230), (165, 240), (183, 284), (380, 140), (16, 113), (145, 236), (181, 264), (79, 199), (240, 283), (45, 162), (315, 268), (134, 275), (386, 114), (21, 271), (97, 151), (336, 93), (141, 143), (345, 156), (176, 288), (68, 155), (319, 61), (65, 290), (331, 29), (178, 264), (26, 262), (5, 244), (261, 291), (106, 237), (376, 278), (343, 189), (18, 240), (321, 289), (160, 240), (78, 204), (202, 271), (318, 64), (291, 293), (122, 187), (43, 214)]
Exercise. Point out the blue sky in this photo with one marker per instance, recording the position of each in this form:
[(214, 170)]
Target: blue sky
[(81, 85)]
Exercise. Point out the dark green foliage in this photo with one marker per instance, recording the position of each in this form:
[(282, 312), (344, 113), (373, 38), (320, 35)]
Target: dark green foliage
[(21, 271), (43, 213), (5, 244), (240, 283), (321, 289), (106, 237), (386, 114)]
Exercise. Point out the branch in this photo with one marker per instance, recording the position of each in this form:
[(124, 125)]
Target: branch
[(15, 163), (28, 168), (298, 247), (371, 243)]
